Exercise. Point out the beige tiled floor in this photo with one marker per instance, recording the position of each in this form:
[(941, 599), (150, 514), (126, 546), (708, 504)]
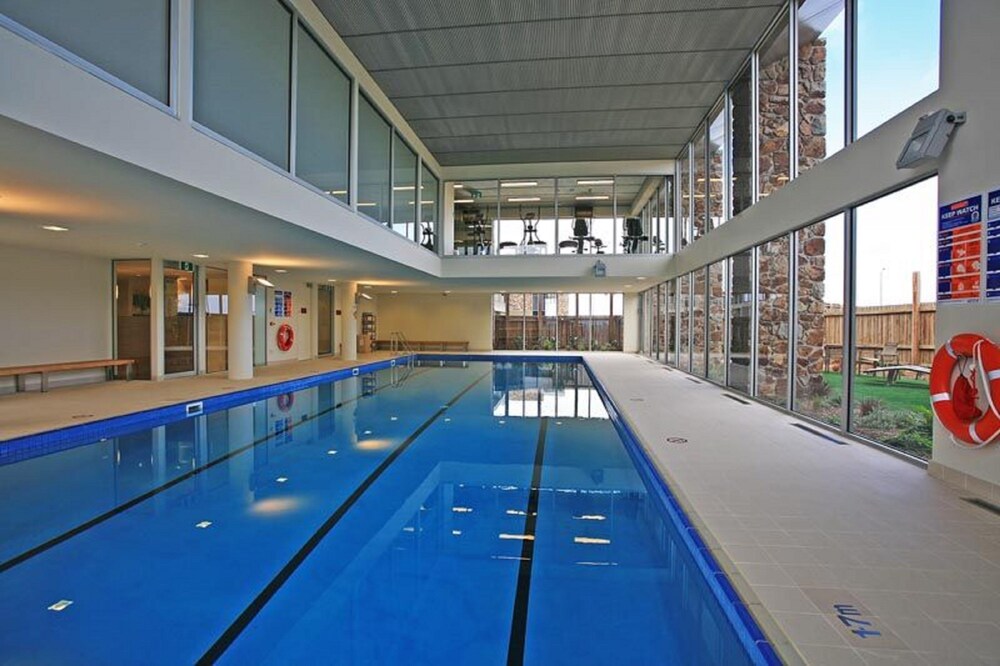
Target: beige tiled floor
[(788, 513), (31, 412)]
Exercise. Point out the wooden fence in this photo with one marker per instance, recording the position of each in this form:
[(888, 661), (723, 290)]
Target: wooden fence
[(904, 325)]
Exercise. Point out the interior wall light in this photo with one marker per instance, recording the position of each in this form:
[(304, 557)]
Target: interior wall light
[(255, 280), (929, 138)]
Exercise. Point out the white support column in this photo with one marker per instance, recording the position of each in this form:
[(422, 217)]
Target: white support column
[(313, 319), (201, 326), (630, 322), (239, 322), (349, 320), (446, 235), (156, 295)]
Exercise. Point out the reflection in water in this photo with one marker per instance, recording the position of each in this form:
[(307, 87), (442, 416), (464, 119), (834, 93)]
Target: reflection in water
[(533, 390)]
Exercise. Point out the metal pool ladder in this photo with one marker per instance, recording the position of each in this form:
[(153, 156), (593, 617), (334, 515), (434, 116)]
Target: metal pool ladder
[(398, 343)]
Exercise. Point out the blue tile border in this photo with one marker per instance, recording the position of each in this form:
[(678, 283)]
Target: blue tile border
[(747, 629), (51, 441)]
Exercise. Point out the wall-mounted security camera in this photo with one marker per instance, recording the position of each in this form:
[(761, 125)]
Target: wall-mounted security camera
[(929, 138)]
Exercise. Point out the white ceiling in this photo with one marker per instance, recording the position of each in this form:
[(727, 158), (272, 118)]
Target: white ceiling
[(518, 81)]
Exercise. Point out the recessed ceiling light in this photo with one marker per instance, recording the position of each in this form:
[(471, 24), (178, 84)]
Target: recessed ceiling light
[(628, 286), (593, 197), (331, 280), (336, 192), (523, 199), (457, 185), (366, 204), (403, 188), (520, 183), (280, 270), (54, 227), (599, 181), (640, 278), (393, 292), (200, 256), (465, 200)]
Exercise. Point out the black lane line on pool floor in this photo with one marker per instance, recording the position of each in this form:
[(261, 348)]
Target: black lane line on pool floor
[(97, 520), (519, 622), (250, 612)]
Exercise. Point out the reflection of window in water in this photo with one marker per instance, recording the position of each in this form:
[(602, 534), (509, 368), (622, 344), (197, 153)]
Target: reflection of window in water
[(560, 390)]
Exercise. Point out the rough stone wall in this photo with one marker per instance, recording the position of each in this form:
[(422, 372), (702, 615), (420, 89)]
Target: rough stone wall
[(773, 116), (698, 332), (812, 103), (717, 322), (811, 306), (773, 302)]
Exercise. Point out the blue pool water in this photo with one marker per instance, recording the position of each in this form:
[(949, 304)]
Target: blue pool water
[(459, 513)]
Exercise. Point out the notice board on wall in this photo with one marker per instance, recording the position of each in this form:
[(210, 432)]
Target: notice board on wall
[(282, 304), (993, 245), (960, 231)]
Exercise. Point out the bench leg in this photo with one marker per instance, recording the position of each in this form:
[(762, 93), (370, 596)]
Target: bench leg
[(19, 386), (45, 382)]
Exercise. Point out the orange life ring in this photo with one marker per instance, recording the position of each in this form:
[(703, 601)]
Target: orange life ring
[(285, 401), (285, 337), (982, 431)]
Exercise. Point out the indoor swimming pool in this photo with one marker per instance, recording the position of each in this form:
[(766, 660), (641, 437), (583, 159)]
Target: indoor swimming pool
[(446, 512)]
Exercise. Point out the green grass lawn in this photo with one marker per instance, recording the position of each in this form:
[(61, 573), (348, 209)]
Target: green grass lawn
[(904, 394)]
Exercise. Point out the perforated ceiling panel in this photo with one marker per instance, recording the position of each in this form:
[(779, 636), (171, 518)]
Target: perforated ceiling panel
[(491, 81)]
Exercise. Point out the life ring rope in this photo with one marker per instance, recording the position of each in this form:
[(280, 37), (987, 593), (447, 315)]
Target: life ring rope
[(985, 356), (285, 337)]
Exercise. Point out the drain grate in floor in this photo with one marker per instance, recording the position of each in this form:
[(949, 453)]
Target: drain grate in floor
[(983, 504), (737, 399), (819, 433), (692, 379)]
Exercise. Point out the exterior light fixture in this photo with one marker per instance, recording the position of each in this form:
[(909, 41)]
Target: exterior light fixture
[(929, 138), (255, 280)]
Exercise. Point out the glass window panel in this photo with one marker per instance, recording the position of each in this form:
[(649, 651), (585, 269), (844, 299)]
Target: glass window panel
[(586, 199), (897, 57), (429, 195), (684, 304), (527, 222), (717, 321), (129, 39), (404, 188), (475, 216), (216, 319), (323, 119), (670, 221), (628, 190), (740, 320), (821, 61), (716, 162), (819, 327), (684, 188), (500, 327), (772, 321), (773, 110), (374, 136), (660, 323), (698, 342), (242, 73), (741, 141), (895, 274), (700, 208), (671, 322)]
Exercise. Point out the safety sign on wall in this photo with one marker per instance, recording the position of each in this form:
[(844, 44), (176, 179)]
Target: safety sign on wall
[(960, 229), (993, 245), (282, 304)]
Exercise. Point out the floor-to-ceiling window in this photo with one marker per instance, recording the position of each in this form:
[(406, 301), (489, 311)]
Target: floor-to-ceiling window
[(179, 309), (404, 188), (374, 157), (699, 283), (671, 321), (527, 223), (475, 215), (684, 193), (572, 322), (822, 49), (216, 319), (741, 297), (717, 321), (895, 277), (699, 185), (741, 138), (716, 169), (819, 313), (660, 323), (773, 334), (133, 314), (429, 196), (684, 323), (773, 111)]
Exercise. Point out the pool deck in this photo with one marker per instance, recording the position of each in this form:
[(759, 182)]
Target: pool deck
[(32, 412), (803, 526)]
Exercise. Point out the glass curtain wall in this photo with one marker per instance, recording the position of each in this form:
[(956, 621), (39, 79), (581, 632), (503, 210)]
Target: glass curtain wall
[(374, 157), (819, 325), (475, 215), (717, 321), (684, 323), (741, 141), (404, 188), (671, 323), (773, 111), (716, 169), (699, 214), (179, 299), (822, 50), (684, 193), (216, 319), (527, 223), (430, 195), (895, 274), (573, 322), (699, 347), (322, 119), (628, 190), (585, 209), (133, 323), (242, 73), (660, 324), (741, 297), (129, 40), (773, 283)]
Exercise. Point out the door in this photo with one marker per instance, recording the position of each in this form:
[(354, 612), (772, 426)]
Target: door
[(179, 312), (324, 320), (260, 325), (133, 323), (216, 320)]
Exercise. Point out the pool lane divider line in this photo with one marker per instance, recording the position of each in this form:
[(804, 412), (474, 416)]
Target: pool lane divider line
[(139, 499), (265, 595), (519, 620)]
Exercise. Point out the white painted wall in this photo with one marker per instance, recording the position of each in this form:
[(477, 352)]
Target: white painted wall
[(301, 322), (630, 323), (433, 316), (970, 82), (53, 307)]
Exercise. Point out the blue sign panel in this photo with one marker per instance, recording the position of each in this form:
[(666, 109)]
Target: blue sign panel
[(959, 250), (993, 245)]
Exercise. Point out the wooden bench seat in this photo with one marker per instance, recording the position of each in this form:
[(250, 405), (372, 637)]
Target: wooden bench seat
[(428, 345), (110, 365)]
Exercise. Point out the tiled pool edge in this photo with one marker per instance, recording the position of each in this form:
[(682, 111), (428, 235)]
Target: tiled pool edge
[(741, 616), (58, 439)]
